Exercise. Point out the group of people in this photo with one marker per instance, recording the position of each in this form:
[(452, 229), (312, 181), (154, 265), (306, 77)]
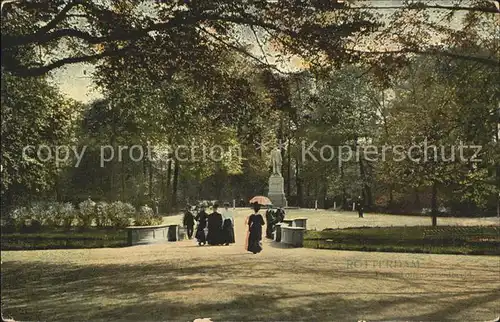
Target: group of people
[(273, 217), (218, 228), (212, 229)]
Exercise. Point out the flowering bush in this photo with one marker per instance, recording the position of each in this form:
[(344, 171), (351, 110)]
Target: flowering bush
[(17, 219), (66, 214), (41, 214), (86, 213), (119, 213), (146, 217), (101, 214)]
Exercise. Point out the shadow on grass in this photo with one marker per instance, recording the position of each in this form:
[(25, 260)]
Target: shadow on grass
[(49, 292)]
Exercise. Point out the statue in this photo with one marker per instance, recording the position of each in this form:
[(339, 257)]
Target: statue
[(276, 161)]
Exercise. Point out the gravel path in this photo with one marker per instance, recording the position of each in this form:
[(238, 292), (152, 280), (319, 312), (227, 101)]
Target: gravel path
[(181, 281)]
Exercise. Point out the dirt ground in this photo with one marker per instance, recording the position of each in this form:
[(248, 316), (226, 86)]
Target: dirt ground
[(181, 281)]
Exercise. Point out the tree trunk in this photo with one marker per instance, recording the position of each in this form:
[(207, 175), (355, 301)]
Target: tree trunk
[(123, 197), (344, 192), (218, 181), (174, 185), (289, 170), (112, 167), (434, 206), (150, 172), (366, 191), (167, 188), (497, 172), (325, 194), (162, 181), (417, 198), (391, 196), (298, 179), (57, 187)]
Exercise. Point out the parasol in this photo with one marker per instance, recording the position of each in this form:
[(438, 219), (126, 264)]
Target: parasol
[(261, 200)]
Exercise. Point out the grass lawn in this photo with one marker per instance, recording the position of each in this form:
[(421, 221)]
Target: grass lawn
[(54, 239), (473, 240)]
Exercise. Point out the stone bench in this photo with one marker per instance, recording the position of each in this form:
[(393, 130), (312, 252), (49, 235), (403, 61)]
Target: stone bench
[(293, 236), (300, 222), (145, 235), (173, 233)]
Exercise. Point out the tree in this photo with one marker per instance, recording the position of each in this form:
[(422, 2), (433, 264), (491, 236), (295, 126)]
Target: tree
[(34, 114), (90, 31)]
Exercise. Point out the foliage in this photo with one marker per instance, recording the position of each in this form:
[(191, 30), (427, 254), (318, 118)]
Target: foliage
[(86, 213), (146, 217), (33, 217), (101, 214), (478, 240), (34, 113), (66, 214), (119, 213)]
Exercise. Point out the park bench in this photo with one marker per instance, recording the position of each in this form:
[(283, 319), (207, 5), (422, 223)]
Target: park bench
[(300, 222), (144, 235), (293, 236)]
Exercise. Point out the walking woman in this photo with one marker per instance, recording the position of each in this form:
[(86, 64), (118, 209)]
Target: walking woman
[(214, 222), (227, 226), (188, 221), (255, 223), (201, 218)]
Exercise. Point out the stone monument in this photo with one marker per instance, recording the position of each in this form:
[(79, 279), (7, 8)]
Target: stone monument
[(276, 182)]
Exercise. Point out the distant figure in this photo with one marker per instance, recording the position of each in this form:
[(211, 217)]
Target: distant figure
[(255, 223), (201, 218), (359, 206), (156, 205), (214, 227), (227, 226), (270, 221), (188, 222)]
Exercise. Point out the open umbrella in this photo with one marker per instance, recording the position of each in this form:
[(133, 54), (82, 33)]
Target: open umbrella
[(261, 200)]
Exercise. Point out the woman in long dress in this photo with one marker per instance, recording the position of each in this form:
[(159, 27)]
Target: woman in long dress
[(214, 227), (255, 223), (227, 226), (201, 218)]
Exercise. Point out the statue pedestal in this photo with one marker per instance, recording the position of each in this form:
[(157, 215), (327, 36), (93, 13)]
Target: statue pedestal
[(277, 190)]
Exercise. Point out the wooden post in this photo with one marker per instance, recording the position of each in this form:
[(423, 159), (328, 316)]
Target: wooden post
[(334, 205), (316, 205), (234, 204), (353, 206)]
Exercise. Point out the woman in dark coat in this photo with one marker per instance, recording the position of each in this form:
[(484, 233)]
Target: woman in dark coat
[(214, 236), (201, 218), (255, 223), (188, 222)]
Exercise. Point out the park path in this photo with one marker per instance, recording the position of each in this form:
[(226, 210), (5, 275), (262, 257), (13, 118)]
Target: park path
[(181, 281)]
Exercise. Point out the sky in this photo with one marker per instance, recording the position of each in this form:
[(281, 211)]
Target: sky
[(75, 80)]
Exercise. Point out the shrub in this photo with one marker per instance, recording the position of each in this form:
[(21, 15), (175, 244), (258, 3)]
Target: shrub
[(119, 213), (66, 214), (101, 214), (50, 213), (146, 217), (17, 219), (43, 214), (86, 213), (40, 214)]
